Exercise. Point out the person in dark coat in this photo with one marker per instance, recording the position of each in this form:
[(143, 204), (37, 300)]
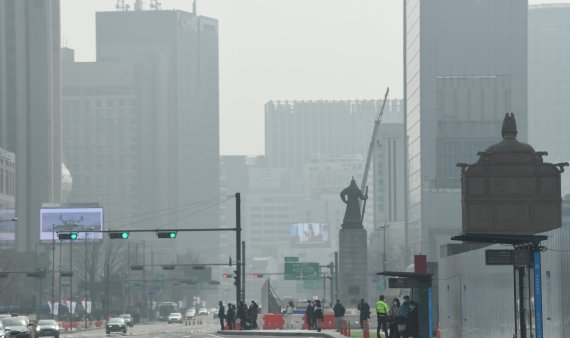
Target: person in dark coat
[(310, 315), (412, 324), (222, 314), (339, 311), (252, 312), (318, 315), (364, 309), (231, 317), (242, 315)]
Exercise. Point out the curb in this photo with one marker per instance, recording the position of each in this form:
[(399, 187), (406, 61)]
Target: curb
[(278, 333)]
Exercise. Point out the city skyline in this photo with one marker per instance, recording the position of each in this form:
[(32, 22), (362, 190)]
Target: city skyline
[(328, 63)]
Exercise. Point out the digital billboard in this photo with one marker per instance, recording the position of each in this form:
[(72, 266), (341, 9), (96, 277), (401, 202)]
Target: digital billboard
[(310, 234), (7, 225), (54, 220)]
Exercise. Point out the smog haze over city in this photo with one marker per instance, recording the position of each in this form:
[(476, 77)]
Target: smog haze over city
[(189, 167)]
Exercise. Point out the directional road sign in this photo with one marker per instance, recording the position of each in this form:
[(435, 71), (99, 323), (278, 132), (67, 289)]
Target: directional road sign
[(301, 271)]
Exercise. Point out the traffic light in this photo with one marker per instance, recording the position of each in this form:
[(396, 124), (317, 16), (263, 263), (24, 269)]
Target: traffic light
[(228, 275), (118, 235), (257, 275), (166, 234), (67, 235), (236, 278)]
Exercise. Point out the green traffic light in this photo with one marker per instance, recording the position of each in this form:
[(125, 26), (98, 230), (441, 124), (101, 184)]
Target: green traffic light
[(125, 235), (73, 236), (173, 235)]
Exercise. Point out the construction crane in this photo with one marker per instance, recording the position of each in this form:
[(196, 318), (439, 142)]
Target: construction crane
[(363, 186)]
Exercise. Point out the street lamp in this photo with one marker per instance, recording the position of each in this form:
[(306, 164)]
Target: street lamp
[(384, 258)]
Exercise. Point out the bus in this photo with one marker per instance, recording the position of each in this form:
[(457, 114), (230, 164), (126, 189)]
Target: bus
[(166, 308)]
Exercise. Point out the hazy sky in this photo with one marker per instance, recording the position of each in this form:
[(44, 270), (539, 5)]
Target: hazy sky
[(279, 50)]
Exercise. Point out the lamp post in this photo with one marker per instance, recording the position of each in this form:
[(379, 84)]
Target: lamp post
[(384, 258)]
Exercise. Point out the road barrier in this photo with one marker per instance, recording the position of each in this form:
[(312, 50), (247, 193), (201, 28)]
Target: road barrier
[(273, 321), (365, 329)]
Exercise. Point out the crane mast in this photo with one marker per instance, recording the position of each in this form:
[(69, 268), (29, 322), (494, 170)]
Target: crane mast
[(363, 186)]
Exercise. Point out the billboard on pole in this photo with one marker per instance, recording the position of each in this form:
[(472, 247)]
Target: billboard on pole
[(54, 220)]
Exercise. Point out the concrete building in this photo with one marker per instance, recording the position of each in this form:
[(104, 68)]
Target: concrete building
[(180, 50), (548, 84), (141, 129), (465, 67), (297, 131), (30, 111), (7, 198)]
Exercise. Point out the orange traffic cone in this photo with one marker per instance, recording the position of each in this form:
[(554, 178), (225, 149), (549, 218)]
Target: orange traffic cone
[(438, 332)]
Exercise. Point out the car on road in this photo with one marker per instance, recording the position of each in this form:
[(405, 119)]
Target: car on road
[(128, 319), (17, 326), (47, 327), (203, 311), (116, 324), (190, 314), (175, 317)]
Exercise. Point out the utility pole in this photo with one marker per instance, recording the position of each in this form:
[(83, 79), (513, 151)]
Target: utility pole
[(243, 270), (70, 285), (336, 286), (238, 247)]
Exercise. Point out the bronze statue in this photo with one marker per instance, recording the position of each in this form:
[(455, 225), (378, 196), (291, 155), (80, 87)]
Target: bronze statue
[(350, 196)]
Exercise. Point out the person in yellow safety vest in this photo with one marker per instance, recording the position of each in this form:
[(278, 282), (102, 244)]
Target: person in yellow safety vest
[(382, 315)]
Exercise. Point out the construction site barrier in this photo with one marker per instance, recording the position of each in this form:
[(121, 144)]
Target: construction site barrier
[(273, 321)]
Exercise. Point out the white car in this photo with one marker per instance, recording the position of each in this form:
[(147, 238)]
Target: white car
[(175, 317), (203, 311), (190, 313)]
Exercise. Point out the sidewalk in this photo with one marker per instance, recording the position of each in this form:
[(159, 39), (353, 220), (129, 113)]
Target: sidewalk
[(283, 333)]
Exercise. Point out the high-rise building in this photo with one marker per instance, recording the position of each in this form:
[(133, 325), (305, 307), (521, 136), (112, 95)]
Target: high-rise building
[(548, 84), (30, 112), (142, 135), (465, 66), (298, 131)]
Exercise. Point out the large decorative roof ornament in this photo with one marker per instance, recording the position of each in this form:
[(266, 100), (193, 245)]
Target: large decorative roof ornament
[(509, 129), (510, 189)]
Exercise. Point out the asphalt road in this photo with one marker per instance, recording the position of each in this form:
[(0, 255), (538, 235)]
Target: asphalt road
[(156, 330)]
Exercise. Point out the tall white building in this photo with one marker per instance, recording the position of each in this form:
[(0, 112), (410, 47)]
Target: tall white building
[(465, 66)]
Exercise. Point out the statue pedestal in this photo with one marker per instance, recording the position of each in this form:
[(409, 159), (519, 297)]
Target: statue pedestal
[(353, 265)]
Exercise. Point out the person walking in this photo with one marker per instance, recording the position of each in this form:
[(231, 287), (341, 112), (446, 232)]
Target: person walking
[(289, 315), (231, 317), (339, 311), (412, 325), (252, 311), (241, 314), (222, 314), (364, 309), (310, 315), (395, 318), (318, 314), (382, 316)]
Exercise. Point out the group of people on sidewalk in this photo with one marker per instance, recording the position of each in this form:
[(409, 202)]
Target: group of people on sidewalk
[(401, 319), (247, 316), (314, 315)]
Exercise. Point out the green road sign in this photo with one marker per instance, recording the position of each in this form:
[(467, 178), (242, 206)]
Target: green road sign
[(298, 271), (291, 259)]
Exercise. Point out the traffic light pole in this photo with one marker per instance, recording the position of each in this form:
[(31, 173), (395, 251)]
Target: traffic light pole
[(243, 270), (238, 247)]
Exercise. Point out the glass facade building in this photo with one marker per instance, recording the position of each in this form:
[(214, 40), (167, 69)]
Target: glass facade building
[(465, 67)]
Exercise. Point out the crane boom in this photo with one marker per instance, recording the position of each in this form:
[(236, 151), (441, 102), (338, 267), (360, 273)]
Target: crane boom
[(371, 147)]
